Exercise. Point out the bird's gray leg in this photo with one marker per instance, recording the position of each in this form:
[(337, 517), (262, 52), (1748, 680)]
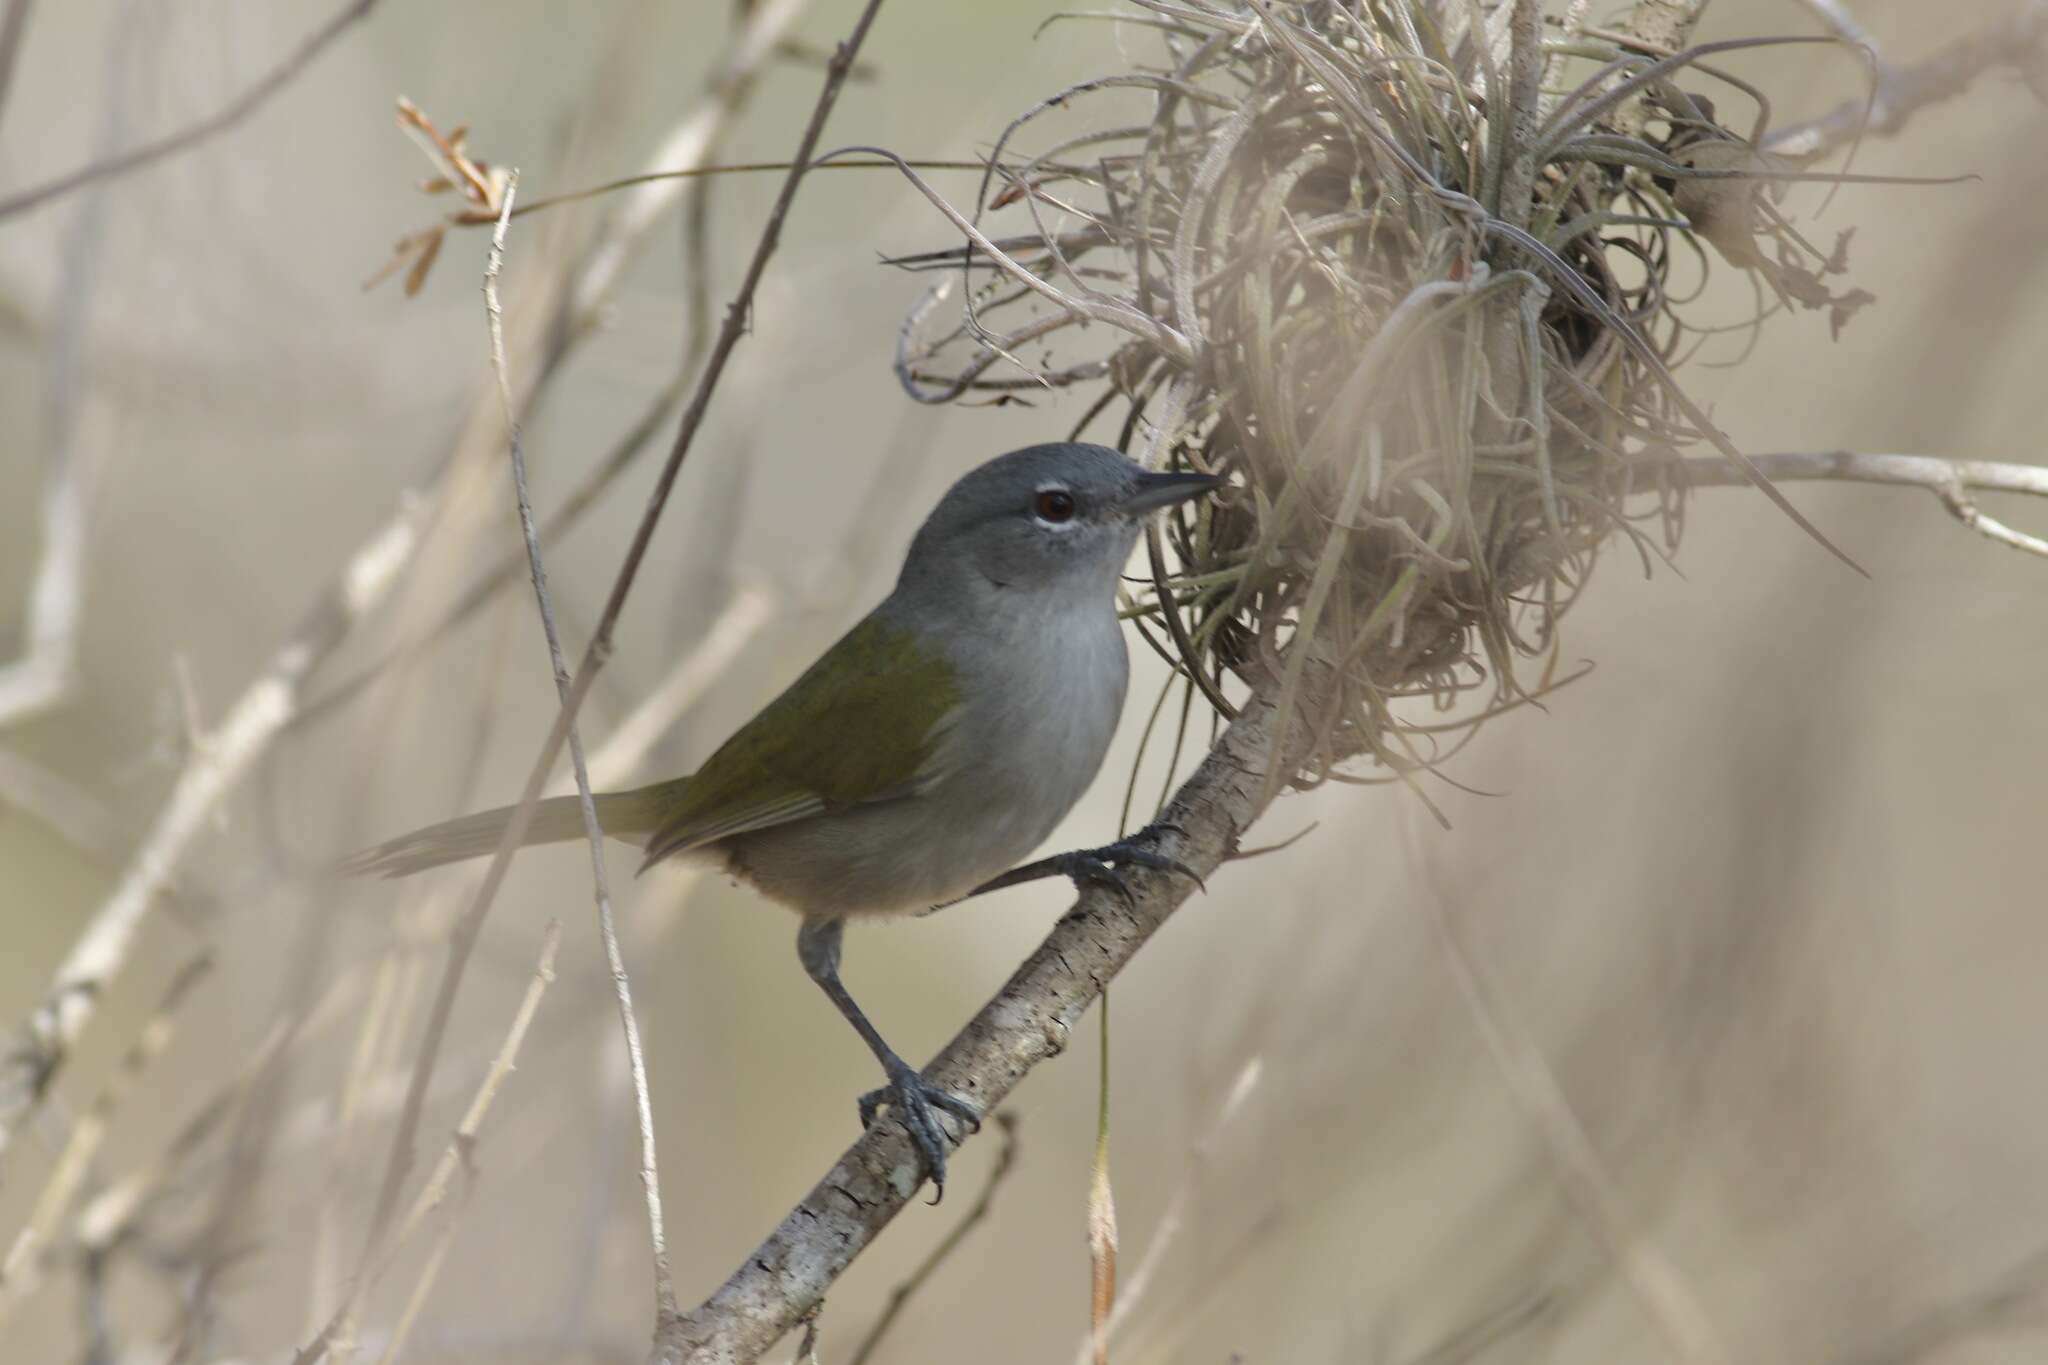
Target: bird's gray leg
[(1099, 866), (817, 946)]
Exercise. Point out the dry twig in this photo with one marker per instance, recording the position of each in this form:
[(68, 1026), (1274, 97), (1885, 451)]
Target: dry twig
[(1949, 480), (650, 1173), (618, 240), (1665, 1295), (459, 1154), (219, 760), (44, 674), (2016, 41), (243, 105), (88, 1135), (463, 937), (11, 29)]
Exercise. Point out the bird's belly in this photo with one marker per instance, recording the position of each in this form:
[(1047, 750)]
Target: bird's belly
[(889, 858)]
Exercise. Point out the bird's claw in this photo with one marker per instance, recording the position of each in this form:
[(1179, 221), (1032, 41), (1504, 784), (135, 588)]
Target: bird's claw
[(1098, 866), (914, 1102), (1104, 866)]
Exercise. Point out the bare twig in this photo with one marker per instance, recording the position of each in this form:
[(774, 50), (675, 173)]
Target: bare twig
[(44, 674), (460, 1151), (87, 1136), (588, 490), (243, 105), (217, 763), (1026, 1023), (11, 29), (650, 1174), (1845, 25), (686, 147), (1667, 1299), (737, 623), (463, 937), (1902, 91), (114, 1212), (1006, 1157), (82, 818), (613, 246), (1949, 480), (2015, 1294)]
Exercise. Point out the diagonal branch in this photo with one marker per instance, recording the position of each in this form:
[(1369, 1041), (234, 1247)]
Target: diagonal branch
[(245, 104), (1902, 91), (218, 762), (462, 939), (12, 26), (1026, 1023)]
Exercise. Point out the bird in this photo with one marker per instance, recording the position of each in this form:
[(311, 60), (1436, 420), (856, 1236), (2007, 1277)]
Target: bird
[(935, 745)]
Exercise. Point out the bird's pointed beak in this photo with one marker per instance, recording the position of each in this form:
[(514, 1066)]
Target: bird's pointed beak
[(1155, 491)]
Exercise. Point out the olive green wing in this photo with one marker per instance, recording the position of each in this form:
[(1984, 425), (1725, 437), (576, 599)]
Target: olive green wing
[(864, 723)]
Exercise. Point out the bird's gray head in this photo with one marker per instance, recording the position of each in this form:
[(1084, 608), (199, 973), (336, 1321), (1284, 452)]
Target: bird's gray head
[(1058, 518)]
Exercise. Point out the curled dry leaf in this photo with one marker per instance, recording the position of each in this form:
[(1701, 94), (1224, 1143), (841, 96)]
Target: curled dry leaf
[(481, 185), (1730, 208)]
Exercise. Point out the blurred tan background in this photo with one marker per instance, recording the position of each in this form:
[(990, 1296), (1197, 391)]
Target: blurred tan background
[(1764, 889)]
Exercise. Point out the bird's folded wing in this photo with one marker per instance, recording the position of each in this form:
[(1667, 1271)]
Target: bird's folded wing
[(865, 723)]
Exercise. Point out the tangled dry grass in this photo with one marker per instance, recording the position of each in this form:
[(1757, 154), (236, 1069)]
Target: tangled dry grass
[(1419, 296)]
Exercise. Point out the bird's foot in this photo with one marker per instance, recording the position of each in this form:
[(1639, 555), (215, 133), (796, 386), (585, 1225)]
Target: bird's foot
[(1101, 866), (917, 1106)]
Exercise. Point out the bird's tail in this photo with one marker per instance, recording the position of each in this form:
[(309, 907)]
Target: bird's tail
[(624, 815)]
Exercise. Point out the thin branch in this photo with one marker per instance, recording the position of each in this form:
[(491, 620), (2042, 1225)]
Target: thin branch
[(1992, 1308), (581, 302), (555, 201), (650, 1173), (1027, 1022), (686, 146), (1949, 480), (1843, 24), (1102, 308), (11, 29), (67, 1177), (82, 818), (463, 937), (1903, 91), (1665, 1295), (737, 624), (461, 1149), (589, 489), (46, 671), (217, 763), (245, 104)]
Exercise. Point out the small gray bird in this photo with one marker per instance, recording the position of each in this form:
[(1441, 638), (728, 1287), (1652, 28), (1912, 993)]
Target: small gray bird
[(936, 744)]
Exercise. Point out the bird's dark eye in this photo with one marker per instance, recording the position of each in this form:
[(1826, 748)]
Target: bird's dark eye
[(1054, 505)]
